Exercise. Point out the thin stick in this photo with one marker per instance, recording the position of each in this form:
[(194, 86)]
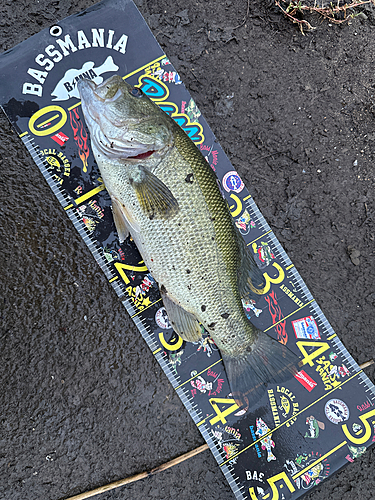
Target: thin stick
[(137, 477), (366, 364), (160, 468)]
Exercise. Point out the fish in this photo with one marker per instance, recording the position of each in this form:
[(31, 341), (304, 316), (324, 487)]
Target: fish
[(66, 86), (166, 197), (285, 405), (314, 427), (267, 443)]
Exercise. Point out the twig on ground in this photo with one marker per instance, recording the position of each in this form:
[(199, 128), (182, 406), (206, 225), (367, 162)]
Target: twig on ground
[(366, 364), (137, 477), (246, 17)]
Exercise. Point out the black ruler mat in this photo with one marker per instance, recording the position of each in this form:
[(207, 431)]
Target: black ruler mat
[(299, 433)]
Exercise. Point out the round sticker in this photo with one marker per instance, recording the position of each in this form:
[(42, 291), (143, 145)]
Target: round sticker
[(336, 411), (233, 182), (161, 318)]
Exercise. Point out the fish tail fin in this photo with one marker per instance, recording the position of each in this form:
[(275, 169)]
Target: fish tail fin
[(270, 457), (264, 361)]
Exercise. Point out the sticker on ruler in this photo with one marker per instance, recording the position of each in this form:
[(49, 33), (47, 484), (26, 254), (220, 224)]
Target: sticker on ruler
[(306, 328)]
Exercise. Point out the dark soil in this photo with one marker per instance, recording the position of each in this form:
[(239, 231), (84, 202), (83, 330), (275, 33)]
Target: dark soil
[(83, 401)]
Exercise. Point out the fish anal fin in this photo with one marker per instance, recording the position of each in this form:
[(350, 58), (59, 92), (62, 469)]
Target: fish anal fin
[(122, 219), (155, 198), (183, 322)]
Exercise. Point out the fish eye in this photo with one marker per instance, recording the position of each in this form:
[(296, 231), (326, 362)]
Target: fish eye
[(136, 92)]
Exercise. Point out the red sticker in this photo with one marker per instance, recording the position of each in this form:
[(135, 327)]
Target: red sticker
[(60, 138), (307, 382)]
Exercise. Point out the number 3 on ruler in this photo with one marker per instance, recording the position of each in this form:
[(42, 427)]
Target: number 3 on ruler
[(276, 280)]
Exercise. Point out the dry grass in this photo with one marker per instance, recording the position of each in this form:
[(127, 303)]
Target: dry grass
[(336, 12)]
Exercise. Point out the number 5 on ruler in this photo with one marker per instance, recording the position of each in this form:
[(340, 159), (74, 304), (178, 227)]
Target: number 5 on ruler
[(274, 489)]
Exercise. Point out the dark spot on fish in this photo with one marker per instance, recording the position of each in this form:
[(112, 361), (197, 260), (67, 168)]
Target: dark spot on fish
[(178, 223), (188, 271), (249, 348), (111, 145), (225, 315), (173, 267), (213, 238), (189, 178), (212, 325), (189, 287), (203, 308), (131, 180), (213, 219)]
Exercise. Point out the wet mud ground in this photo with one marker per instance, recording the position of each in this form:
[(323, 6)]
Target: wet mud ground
[(83, 402)]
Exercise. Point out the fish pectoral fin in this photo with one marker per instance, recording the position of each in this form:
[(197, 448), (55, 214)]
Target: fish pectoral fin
[(122, 219), (154, 197), (183, 322), (250, 278)]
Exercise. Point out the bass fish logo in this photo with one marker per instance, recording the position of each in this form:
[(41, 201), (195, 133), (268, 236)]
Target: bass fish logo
[(336, 411), (67, 86)]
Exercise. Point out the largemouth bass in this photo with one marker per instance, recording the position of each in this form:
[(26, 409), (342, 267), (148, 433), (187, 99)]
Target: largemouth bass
[(166, 196)]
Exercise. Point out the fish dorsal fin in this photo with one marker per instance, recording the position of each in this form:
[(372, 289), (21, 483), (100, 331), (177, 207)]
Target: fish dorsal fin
[(183, 322), (250, 278), (122, 219), (155, 198)]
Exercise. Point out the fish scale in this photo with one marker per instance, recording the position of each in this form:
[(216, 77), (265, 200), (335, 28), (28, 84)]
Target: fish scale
[(215, 202)]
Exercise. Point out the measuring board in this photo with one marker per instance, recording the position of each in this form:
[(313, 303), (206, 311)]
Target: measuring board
[(301, 431)]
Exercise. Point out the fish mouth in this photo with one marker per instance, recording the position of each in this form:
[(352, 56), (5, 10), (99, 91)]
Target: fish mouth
[(142, 156), (121, 149), (114, 137)]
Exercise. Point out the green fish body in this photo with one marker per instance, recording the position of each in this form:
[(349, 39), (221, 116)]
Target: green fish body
[(166, 196)]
